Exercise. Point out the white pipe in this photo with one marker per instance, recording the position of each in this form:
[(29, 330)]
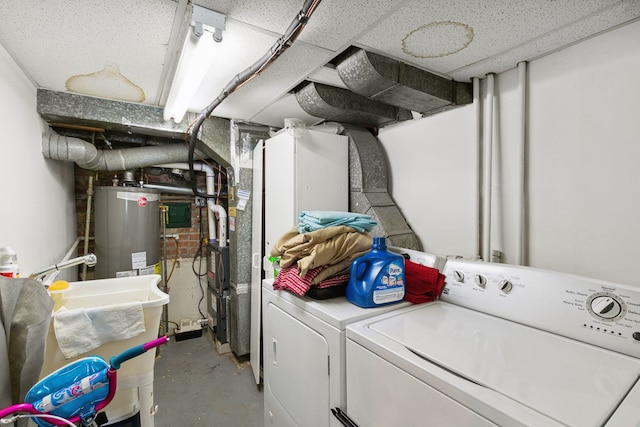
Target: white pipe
[(477, 108), (201, 167), (72, 249), (87, 225), (487, 170), (521, 238), (222, 222)]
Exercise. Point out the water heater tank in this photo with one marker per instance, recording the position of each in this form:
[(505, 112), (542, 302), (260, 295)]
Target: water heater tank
[(127, 231)]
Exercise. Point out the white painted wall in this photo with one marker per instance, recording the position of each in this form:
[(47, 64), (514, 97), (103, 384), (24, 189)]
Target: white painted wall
[(37, 209), (583, 164), (188, 294)]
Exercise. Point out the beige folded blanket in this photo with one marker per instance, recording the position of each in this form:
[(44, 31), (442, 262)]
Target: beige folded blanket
[(334, 246)]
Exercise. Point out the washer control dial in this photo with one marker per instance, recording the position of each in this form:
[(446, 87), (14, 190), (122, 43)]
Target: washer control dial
[(505, 286), (606, 306), (458, 276), (481, 281)]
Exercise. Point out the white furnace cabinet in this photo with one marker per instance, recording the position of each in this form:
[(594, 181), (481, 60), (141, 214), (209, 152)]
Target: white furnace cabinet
[(304, 170)]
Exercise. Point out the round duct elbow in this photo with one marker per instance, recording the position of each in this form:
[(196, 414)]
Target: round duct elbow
[(58, 147)]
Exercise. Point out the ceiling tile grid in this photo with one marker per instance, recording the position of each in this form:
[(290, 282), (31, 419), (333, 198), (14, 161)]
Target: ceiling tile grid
[(493, 26), (57, 40)]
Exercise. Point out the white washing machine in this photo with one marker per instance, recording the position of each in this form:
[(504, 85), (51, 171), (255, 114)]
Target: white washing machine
[(505, 345), (304, 352)]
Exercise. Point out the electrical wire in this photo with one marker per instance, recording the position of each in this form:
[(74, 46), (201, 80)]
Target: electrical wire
[(242, 78)]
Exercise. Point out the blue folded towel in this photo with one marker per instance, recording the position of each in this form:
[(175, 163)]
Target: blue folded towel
[(315, 220)]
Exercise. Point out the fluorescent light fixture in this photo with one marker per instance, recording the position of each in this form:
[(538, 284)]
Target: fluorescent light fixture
[(198, 53)]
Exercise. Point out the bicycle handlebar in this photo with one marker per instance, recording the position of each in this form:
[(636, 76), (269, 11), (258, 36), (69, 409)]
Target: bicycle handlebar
[(117, 360), (44, 407)]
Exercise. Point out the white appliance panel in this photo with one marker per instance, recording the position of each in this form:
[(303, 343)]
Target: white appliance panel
[(299, 322), (572, 382), (515, 345), (371, 398), (256, 262), (296, 352), (560, 303), (305, 170)]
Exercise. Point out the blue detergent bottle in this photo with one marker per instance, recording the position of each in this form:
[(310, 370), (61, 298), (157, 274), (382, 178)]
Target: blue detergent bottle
[(377, 277)]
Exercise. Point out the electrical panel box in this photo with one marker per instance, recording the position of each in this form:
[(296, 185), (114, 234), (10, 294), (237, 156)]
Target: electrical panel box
[(178, 215)]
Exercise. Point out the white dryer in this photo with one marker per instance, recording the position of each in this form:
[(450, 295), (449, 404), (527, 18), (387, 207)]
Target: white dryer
[(304, 352), (505, 345)]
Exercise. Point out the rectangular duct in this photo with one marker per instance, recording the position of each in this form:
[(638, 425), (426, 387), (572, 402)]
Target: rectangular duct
[(396, 83)]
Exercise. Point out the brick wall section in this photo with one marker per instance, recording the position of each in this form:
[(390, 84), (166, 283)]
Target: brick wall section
[(188, 237)]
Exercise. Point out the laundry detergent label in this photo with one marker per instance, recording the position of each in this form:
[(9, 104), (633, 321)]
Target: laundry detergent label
[(390, 284)]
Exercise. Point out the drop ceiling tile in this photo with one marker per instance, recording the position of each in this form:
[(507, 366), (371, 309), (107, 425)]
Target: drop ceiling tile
[(285, 107), (57, 40), (273, 83), (605, 20), (443, 35), (332, 25)]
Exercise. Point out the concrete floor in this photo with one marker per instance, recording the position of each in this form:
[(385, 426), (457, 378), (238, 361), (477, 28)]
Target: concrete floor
[(196, 386)]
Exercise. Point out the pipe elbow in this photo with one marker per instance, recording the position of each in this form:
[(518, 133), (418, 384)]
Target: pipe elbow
[(222, 213), (58, 147)]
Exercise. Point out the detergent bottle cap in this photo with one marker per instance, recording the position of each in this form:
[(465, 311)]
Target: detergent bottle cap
[(379, 243)]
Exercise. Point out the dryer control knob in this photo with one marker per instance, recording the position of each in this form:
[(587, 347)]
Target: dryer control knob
[(458, 276), (505, 286), (636, 336), (481, 281)]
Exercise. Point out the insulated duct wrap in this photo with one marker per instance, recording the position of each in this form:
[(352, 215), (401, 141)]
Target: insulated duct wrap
[(86, 156)]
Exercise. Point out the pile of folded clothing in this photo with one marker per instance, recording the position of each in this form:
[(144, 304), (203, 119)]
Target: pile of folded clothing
[(316, 255)]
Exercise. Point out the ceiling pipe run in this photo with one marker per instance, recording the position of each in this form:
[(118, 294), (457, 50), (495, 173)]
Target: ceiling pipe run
[(87, 156)]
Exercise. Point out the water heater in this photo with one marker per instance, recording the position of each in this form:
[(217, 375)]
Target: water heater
[(127, 231)]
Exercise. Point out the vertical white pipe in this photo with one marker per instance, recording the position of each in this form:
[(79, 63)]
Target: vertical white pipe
[(487, 169), (87, 225), (477, 114), (521, 238)]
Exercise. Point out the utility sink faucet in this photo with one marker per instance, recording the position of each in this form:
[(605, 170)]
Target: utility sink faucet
[(47, 275)]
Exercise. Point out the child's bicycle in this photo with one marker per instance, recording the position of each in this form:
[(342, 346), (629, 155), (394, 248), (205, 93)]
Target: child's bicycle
[(74, 394)]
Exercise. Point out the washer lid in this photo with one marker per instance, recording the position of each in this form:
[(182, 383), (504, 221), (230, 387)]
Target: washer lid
[(571, 382)]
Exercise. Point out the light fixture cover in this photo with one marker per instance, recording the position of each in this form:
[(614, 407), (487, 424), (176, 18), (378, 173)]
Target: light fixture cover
[(197, 55)]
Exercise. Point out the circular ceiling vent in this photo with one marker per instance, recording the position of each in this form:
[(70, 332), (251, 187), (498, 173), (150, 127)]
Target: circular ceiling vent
[(437, 39)]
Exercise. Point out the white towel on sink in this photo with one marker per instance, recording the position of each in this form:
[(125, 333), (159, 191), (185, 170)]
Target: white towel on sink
[(81, 330)]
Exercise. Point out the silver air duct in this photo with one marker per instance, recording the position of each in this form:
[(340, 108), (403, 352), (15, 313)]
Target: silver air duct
[(86, 156)]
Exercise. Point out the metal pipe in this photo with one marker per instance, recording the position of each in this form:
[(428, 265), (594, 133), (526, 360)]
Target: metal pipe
[(89, 259), (169, 189), (86, 156)]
